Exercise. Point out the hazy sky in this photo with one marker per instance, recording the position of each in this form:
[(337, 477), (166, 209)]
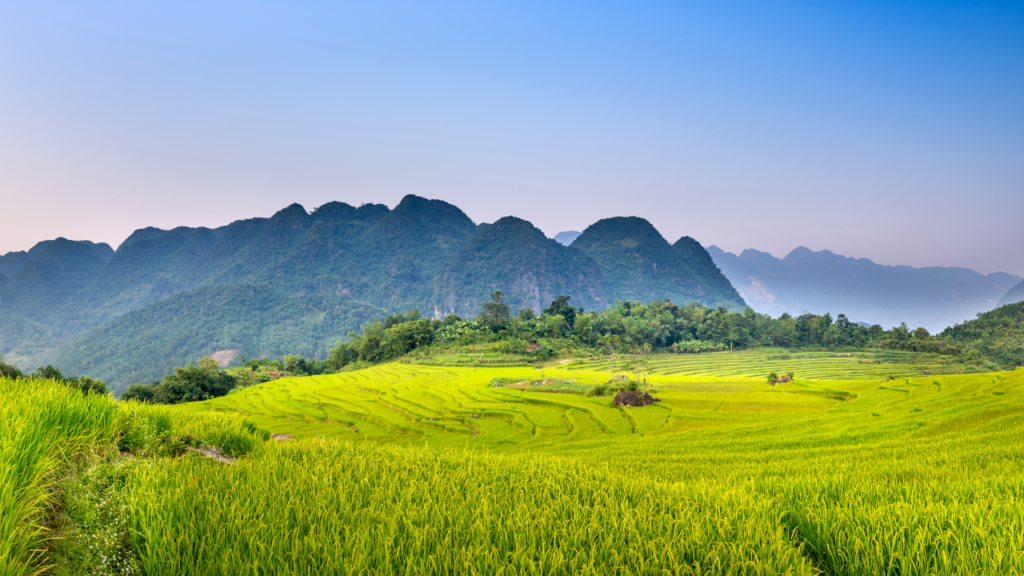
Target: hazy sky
[(890, 131)]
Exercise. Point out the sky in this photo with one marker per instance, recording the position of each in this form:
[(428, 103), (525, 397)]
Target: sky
[(885, 130)]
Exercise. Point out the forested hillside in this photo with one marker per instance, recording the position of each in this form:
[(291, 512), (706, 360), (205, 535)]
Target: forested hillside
[(233, 319), (515, 257), (58, 300), (998, 335), (637, 263)]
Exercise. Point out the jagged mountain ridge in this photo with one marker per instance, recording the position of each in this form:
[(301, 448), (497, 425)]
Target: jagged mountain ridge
[(637, 263), (423, 253), (819, 282)]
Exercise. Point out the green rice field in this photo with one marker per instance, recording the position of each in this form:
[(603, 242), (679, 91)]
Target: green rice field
[(405, 469), (406, 403)]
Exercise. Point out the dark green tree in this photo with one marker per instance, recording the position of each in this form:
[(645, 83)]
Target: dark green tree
[(496, 313), (560, 307), (47, 373), (193, 383), (141, 392), (9, 370), (87, 385)]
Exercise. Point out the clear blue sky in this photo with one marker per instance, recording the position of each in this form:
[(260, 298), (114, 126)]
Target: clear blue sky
[(891, 131)]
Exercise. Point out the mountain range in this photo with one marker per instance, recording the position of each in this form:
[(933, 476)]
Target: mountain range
[(819, 282), (1016, 294), (298, 281)]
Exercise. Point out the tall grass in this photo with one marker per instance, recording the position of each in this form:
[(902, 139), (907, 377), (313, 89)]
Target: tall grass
[(341, 508), (42, 425)]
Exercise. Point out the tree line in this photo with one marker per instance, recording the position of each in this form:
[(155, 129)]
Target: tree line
[(626, 327), (85, 384)]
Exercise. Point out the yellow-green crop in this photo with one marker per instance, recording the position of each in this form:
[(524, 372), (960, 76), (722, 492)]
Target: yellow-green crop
[(404, 469), (41, 426), (909, 476)]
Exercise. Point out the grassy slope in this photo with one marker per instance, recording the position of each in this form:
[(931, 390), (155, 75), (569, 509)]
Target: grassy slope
[(47, 429), (395, 402), (40, 429)]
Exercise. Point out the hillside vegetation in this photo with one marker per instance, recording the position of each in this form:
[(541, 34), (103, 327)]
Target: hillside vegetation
[(998, 335), (638, 264), (530, 269), (239, 319)]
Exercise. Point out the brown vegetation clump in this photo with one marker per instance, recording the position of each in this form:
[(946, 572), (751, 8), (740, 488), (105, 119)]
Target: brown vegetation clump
[(634, 399), (783, 378)]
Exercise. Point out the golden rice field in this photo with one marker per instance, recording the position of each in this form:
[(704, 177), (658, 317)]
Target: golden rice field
[(403, 469)]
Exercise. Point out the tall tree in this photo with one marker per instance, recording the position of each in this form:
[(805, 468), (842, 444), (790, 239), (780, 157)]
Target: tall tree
[(560, 307), (496, 313)]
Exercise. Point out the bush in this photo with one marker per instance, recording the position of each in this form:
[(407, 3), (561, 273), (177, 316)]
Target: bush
[(9, 370)]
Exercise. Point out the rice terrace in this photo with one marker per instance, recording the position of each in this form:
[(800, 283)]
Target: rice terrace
[(511, 288), (403, 468)]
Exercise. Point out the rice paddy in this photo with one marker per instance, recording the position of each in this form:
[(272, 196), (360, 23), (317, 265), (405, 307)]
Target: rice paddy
[(407, 403), (402, 469)]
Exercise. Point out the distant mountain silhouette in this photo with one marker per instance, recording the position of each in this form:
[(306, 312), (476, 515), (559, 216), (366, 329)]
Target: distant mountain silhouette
[(820, 282), (12, 262), (566, 238), (1016, 294), (133, 313)]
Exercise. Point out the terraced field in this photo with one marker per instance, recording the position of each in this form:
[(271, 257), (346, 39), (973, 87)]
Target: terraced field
[(457, 405), (404, 469), (806, 365), (856, 473)]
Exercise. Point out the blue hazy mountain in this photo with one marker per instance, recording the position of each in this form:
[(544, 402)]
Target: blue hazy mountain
[(1016, 294), (820, 282), (566, 238)]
